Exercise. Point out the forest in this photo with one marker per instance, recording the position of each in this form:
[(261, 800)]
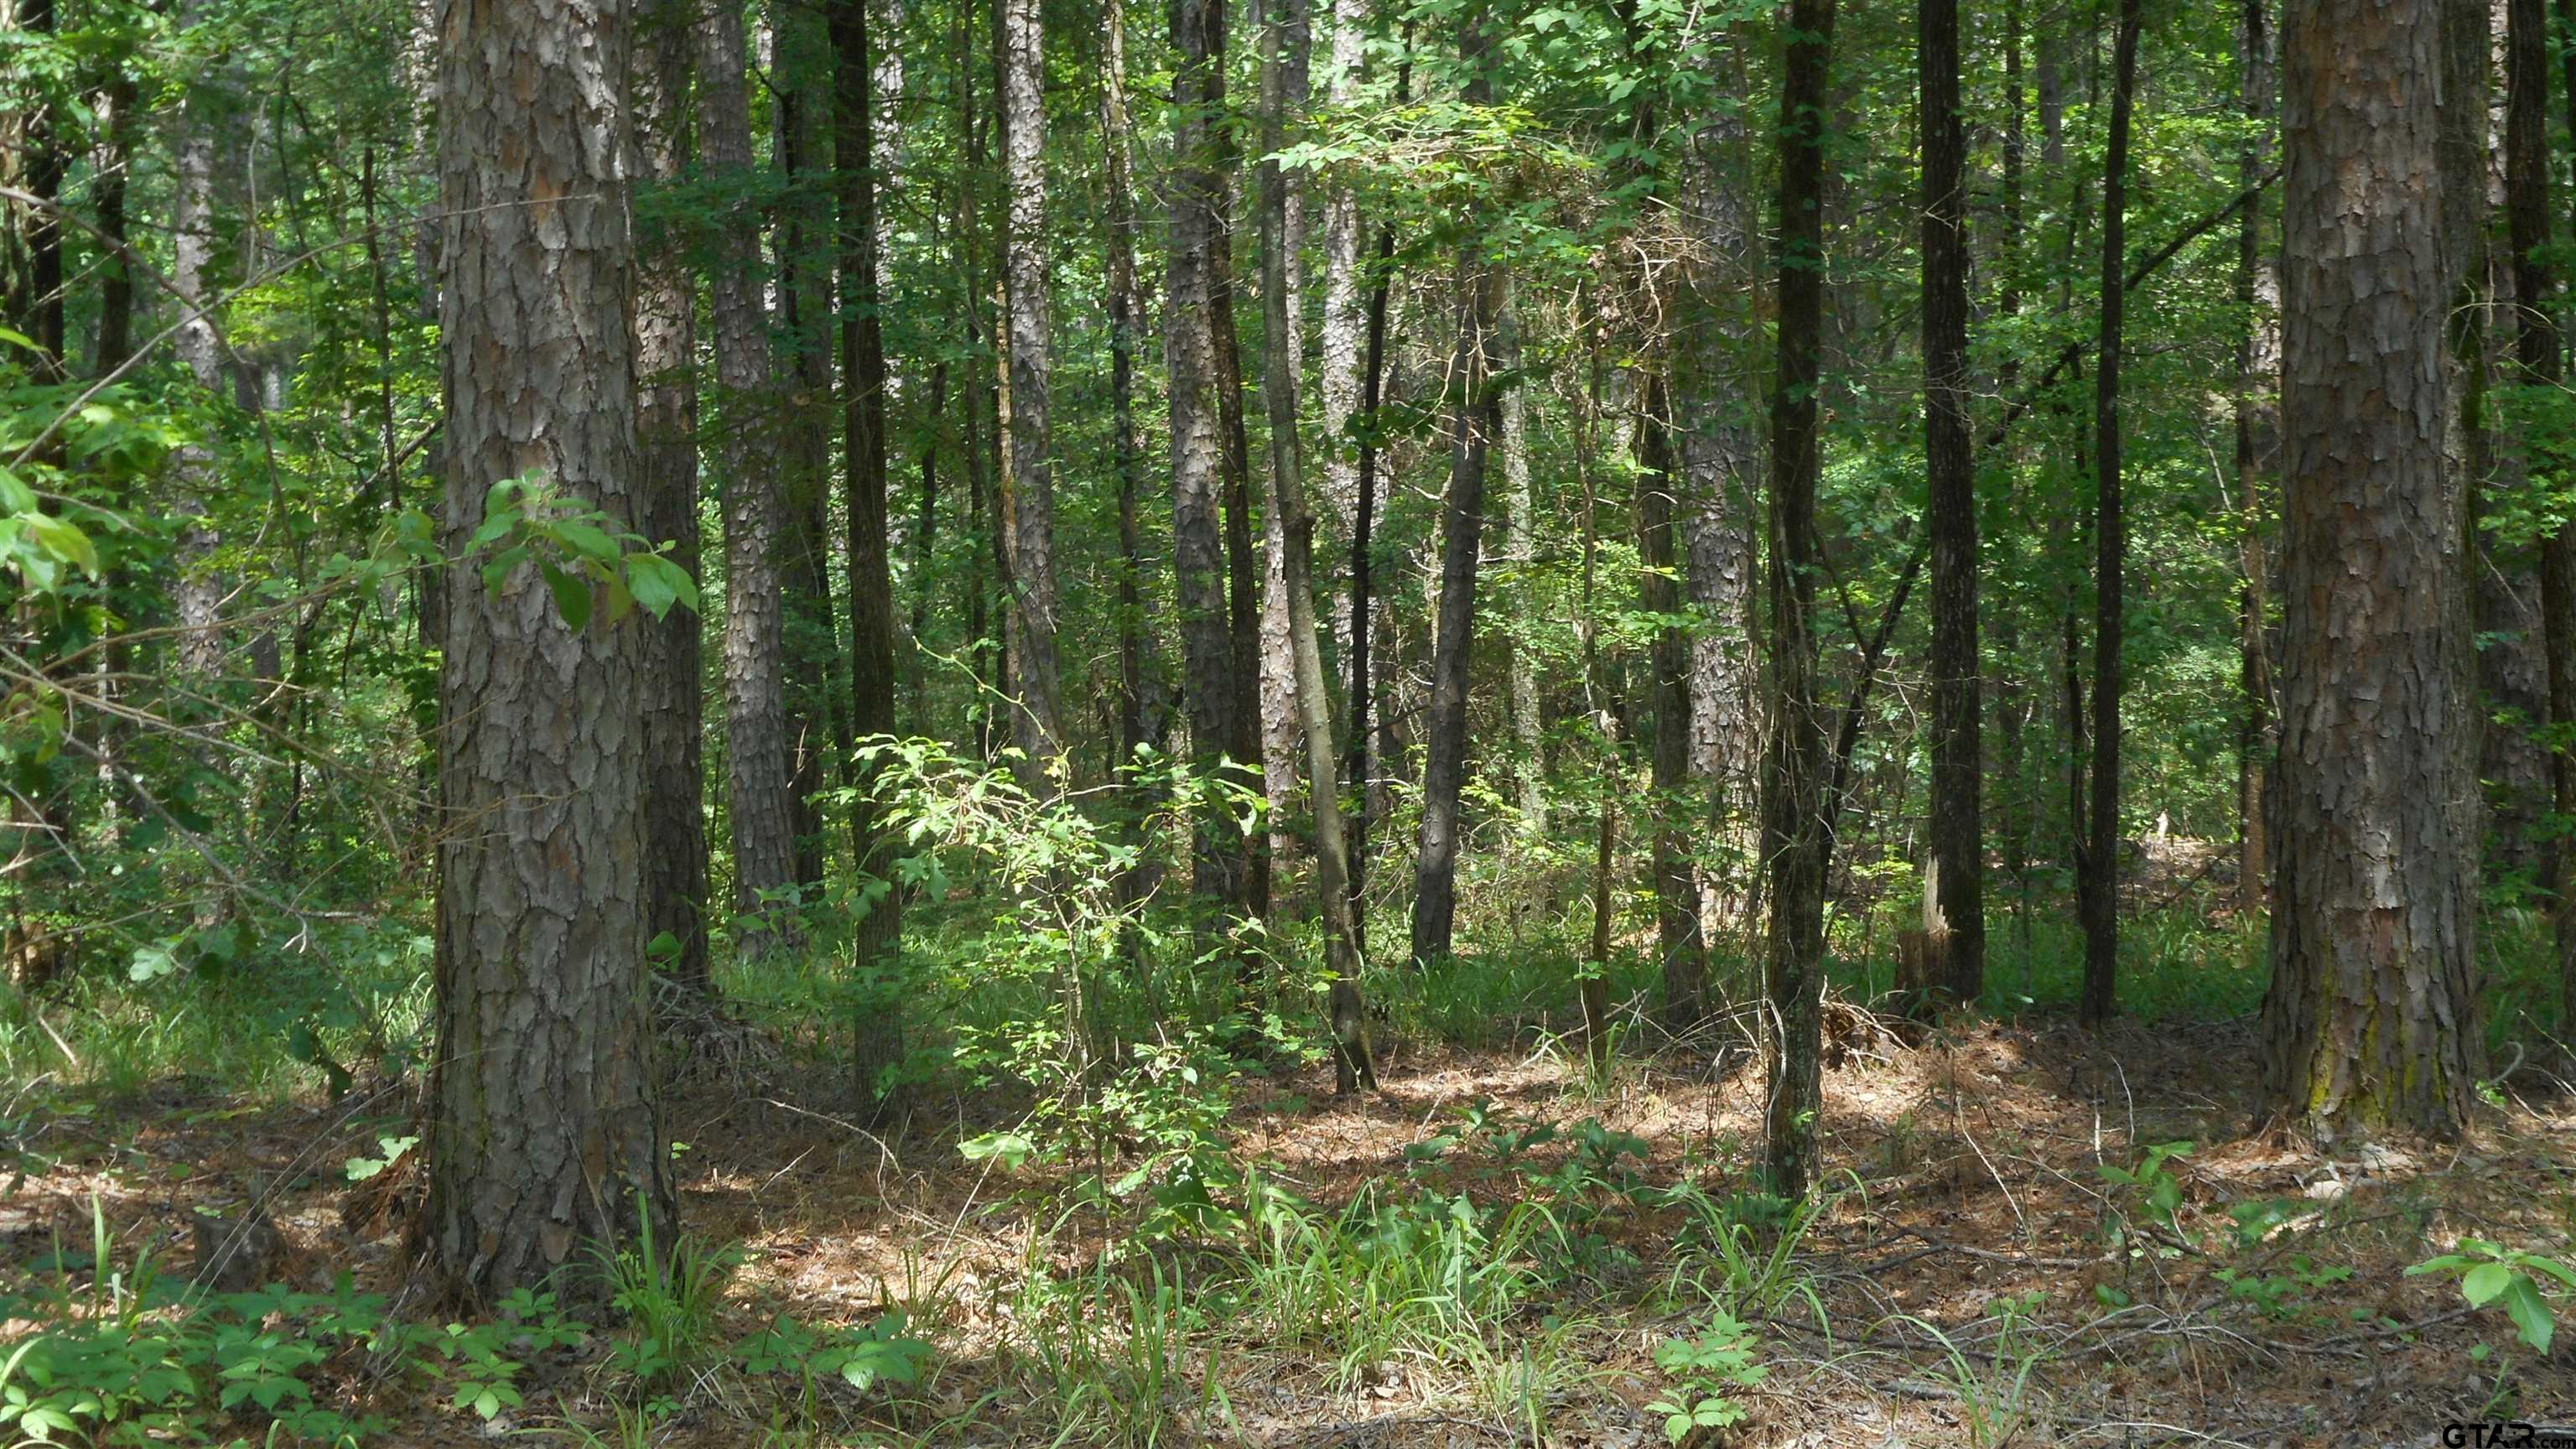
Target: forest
[(1315, 725)]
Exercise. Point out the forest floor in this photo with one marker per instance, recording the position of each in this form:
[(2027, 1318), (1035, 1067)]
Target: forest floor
[(1977, 1279)]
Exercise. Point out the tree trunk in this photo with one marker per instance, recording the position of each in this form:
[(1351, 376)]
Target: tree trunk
[(2100, 906), (1292, 534), (666, 426), (1038, 720), (1345, 322), (1475, 417), (2370, 1022), (817, 666), (1522, 544), (879, 943), (1197, 191), (1681, 948), (755, 641), (1285, 42), (199, 592), (2527, 203), (2258, 364), (1364, 677), (1793, 836), (1954, 864), (1720, 454), (545, 1142)]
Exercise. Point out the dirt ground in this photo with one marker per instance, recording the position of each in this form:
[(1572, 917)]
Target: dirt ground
[(1975, 1153)]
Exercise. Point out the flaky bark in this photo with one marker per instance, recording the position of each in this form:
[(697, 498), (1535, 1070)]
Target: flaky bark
[(545, 1146), (1037, 722), (666, 425), (763, 815), (1197, 198), (2370, 1020)]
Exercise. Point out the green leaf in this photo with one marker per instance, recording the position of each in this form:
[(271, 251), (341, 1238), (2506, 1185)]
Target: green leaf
[(63, 539), (2530, 1315), (2484, 1282), (572, 596), (586, 540)]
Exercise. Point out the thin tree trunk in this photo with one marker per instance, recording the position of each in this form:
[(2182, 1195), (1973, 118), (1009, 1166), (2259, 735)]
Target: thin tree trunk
[(1475, 417), (763, 813), (545, 1143), (1038, 720), (2527, 147), (1140, 707), (1793, 834), (1285, 41), (666, 426), (2100, 906), (1345, 322), (1364, 683), (879, 941), (1682, 949), (1954, 870), (2370, 1021), (2257, 377), (1292, 532), (1521, 541), (199, 592)]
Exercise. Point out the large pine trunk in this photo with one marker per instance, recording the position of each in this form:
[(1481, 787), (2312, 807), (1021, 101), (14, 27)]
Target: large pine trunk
[(1954, 896), (2370, 1022), (545, 1143), (666, 511)]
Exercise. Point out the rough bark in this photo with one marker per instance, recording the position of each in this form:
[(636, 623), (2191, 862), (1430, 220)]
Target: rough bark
[(2370, 1019), (2100, 906), (1345, 320), (1793, 835), (666, 426), (762, 811), (1197, 193), (199, 592), (1284, 45), (1475, 416), (1521, 554), (1037, 721), (545, 1144), (1954, 870), (878, 945)]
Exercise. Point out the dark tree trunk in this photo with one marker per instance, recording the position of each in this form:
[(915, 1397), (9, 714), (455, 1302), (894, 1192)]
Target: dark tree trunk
[(2537, 349), (666, 426), (1954, 872), (1475, 417), (1363, 688), (2370, 1022), (545, 1142), (763, 814), (2258, 364), (879, 943), (2100, 906), (1793, 807)]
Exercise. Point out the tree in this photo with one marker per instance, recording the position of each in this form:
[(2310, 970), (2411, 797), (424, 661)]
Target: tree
[(1029, 505), (1954, 908), (1678, 938), (2100, 903), (545, 1143), (2258, 365), (1475, 417), (879, 941), (666, 426), (1793, 806), (2370, 1020), (1197, 189), (763, 815)]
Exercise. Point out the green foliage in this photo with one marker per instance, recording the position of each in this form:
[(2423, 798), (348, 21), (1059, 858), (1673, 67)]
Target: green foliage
[(2509, 1278), (1701, 1374), (671, 1302)]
